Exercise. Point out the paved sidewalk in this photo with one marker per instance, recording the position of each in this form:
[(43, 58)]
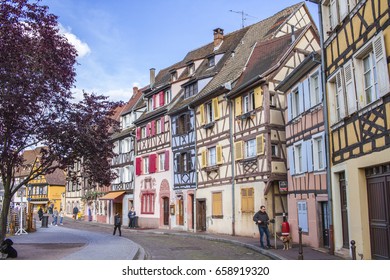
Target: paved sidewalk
[(60, 242)]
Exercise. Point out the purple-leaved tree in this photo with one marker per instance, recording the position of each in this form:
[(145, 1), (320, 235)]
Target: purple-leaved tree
[(36, 105)]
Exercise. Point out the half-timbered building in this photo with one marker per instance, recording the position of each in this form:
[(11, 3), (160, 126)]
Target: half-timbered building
[(357, 48), (154, 202), (222, 204), (306, 153), (206, 61), (120, 198), (259, 137)]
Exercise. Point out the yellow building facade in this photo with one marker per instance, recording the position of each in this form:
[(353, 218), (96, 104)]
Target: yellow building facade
[(356, 52)]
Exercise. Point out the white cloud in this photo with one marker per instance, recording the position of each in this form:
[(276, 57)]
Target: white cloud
[(81, 47)]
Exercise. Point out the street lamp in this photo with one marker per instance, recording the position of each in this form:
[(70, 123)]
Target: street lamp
[(21, 229)]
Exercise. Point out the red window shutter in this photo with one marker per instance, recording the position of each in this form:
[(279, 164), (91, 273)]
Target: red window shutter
[(162, 124), (152, 163), (148, 130), (154, 101), (166, 160), (138, 163), (162, 98), (138, 133), (153, 128)]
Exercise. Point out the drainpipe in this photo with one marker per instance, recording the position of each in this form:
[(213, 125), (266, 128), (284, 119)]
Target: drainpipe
[(230, 104), (326, 124), (195, 164)]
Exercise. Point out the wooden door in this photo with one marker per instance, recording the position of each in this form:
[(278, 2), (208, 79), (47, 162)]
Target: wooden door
[(378, 190), (201, 215), (344, 210), (181, 212), (166, 211)]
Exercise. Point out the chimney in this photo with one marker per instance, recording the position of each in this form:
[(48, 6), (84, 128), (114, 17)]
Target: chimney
[(135, 91), (152, 77), (218, 37)]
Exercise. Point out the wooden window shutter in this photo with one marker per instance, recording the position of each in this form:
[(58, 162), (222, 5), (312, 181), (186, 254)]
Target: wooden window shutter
[(216, 110), (138, 166), (138, 133), (289, 107), (238, 150), (258, 91), (152, 163), (260, 144), (166, 165), (340, 90), (189, 162), (217, 204), (238, 106), (219, 154), (291, 161), (350, 87), (179, 166), (162, 124), (161, 97), (306, 94), (381, 64), (153, 127), (202, 115), (154, 101), (204, 158), (301, 99)]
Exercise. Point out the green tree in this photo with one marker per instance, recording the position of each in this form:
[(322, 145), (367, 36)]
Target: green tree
[(37, 74)]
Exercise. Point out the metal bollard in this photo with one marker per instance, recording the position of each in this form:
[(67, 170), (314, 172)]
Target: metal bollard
[(353, 249), (300, 253)]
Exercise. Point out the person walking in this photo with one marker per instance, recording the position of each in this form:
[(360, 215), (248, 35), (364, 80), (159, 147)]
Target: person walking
[(55, 216), (262, 220), (131, 216), (117, 224), (75, 212), (62, 214), (40, 213)]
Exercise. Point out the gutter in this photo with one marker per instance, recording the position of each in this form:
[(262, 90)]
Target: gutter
[(196, 171), (326, 124)]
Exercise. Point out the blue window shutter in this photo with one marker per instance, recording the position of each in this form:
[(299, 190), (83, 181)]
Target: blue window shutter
[(324, 150), (309, 153), (290, 155), (301, 98), (306, 92), (302, 216), (320, 84), (289, 108), (304, 156)]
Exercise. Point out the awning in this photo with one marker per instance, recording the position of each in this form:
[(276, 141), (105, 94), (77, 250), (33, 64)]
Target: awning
[(38, 202), (112, 195)]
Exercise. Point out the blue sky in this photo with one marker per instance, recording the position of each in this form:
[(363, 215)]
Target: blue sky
[(120, 40)]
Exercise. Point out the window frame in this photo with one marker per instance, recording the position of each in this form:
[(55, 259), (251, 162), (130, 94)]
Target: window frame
[(212, 156), (250, 148)]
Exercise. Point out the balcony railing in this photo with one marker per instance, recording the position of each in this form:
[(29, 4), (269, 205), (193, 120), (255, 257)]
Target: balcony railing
[(122, 158), (122, 186)]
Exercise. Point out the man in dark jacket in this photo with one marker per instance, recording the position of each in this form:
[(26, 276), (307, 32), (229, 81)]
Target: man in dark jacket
[(262, 220), (117, 224)]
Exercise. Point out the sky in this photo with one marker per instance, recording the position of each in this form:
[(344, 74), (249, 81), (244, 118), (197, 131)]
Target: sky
[(118, 41)]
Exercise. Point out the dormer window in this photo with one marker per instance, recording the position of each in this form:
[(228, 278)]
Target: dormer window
[(211, 61), (174, 76), (191, 68), (191, 90)]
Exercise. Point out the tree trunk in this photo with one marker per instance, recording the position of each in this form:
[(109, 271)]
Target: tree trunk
[(4, 213)]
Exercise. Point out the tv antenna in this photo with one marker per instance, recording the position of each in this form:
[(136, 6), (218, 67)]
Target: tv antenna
[(243, 16)]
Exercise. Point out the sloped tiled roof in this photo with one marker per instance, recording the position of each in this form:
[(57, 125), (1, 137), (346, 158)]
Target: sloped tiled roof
[(57, 178), (264, 57), (257, 32)]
